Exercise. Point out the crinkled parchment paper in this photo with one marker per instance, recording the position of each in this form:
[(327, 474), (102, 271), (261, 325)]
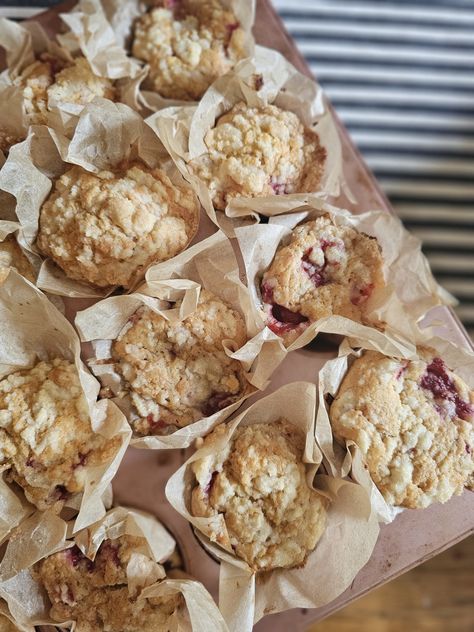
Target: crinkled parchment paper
[(348, 460), (107, 133), (183, 130), (33, 330), (411, 289), (44, 534), (345, 547), (211, 264)]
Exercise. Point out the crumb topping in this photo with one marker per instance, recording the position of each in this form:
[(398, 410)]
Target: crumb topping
[(46, 438), (323, 270), (259, 151), (414, 423), (188, 44), (106, 228), (95, 593), (273, 518), (178, 372)]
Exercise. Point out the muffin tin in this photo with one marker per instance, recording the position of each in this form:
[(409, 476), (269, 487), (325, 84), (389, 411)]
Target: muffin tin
[(414, 536)]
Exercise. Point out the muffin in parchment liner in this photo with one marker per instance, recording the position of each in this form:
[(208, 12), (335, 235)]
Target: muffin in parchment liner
[(50, 80), (319, 268), (178, 356), (59, 447), (401, 425), (183, 46), (112, 575), (255, 482), (99, 208), (262, 130)]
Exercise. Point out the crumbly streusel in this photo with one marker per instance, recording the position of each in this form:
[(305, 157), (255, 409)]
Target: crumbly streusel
[(6, 625), (11, 256), (258, 151), (414, 423), (188, 44), (323, 270), (46, 438), (178, 372), (50, 78), (106, 228), (258, 484), (96, 594)]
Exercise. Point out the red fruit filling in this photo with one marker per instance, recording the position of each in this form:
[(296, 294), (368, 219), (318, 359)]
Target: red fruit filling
[(60, 493), (76, 557), (360, 294), (318, 273), (278, 188), (401, 370), (283, 319), (110, 553), (208, 488), (156, 424), (217, 401), (437, 380)]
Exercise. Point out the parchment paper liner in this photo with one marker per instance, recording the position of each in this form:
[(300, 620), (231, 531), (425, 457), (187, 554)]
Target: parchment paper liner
[(33, 329), (344, 548), (90, 36), (106, 134), (122, 14), (4, 612), (7, 229), (45, 534), (411, 289), (349, 460), (182, 130), (211, 264)]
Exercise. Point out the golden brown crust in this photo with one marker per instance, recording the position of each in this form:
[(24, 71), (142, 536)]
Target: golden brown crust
[(414, 423), (106, 228), (323, 270), (258, 485), (259, 151), (178, 372)]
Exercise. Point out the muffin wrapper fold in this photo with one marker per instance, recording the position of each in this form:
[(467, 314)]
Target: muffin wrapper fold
[(411, 289), (210, 264), (33, 329), (349, 460), (183, 130), (121, 15), (107, 133), (344, 548), (17, 579)]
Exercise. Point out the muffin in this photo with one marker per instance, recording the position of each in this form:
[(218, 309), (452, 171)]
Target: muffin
[(11, 256), (95, 593), (323, 270), (178, 372), (259, 151), (413, 422), (46, 439), (187, 44), (106, 228), (258, 485), (50, 78), (6, 625)]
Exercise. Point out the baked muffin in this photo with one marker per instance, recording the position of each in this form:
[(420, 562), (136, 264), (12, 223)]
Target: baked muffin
[(258, 485), (187, 44), (414, 423), (11, 256), (323, 270), (7, 139), (259, 151), (178, 372), (50, 78), (106, 228), (46, 439), (6, 625), (95, 593)]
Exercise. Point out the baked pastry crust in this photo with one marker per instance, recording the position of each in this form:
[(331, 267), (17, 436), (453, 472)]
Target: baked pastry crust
[(46, 438), (96, 594), (106, 228), (323, 270), (414, 423), (258, 485), (178, 372), (187, 44), (259, 151), (50, 78)]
